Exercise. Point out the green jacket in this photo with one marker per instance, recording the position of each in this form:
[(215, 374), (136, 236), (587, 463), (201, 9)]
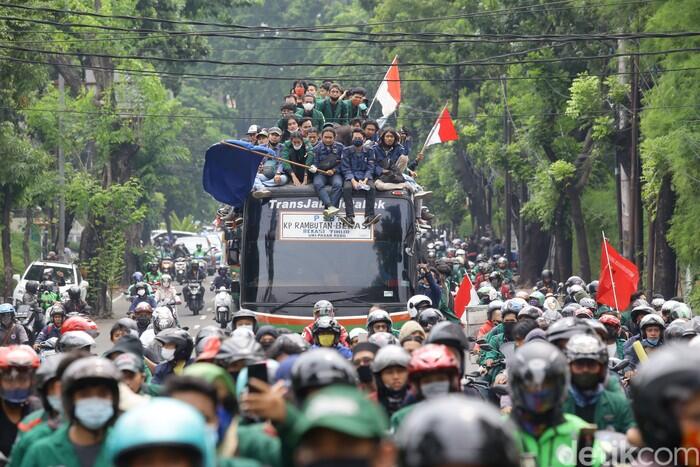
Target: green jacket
[(612, 411), (317, 118), (25, 440), (447, 303), (556, 447), (57, 450), (304, 156), (355, 112), (398, 417), (255, 444), (338, 115)]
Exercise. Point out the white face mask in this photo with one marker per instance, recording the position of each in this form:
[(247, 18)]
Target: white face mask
[(297, 146), (141, 292), (435, 389), (308, 106), (167, 354)]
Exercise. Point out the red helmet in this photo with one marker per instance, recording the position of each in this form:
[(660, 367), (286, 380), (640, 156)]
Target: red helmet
[(432, 358), (610, 320), (18, 356), (79, 323)]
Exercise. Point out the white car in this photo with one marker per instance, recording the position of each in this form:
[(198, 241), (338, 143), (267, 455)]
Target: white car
[(71, 275)]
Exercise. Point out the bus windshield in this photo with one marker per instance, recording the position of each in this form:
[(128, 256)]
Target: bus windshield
[(292, 257)]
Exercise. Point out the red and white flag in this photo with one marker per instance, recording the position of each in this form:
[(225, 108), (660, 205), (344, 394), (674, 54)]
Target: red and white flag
[(466, 296), (443, 130), (389, 91)]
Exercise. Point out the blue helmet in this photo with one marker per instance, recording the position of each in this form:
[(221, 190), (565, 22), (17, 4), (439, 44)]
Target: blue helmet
[(137, 276), (6, 308), (161, 422)]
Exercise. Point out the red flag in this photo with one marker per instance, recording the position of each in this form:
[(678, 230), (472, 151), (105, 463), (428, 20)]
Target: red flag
[(619, 278), (466, 296), (389, 91), (443, 130)]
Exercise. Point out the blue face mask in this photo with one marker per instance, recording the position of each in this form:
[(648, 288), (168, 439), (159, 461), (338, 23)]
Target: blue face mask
[(651, 342), (357, 142), (55, 403), (94, 412), (16, 396)]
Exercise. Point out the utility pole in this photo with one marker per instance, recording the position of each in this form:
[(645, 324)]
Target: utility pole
[(637, 239), (60, 244), (508, 189)]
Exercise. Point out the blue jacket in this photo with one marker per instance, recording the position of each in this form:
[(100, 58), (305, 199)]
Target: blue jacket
[(322, 153), (48, 332), (146, 298), (386, 158), (357, 164)]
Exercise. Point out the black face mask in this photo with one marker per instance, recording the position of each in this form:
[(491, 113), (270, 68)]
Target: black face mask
[(342, 462), (364, 374), (143, 322), (508, 330), (391, 399), (585, 381)]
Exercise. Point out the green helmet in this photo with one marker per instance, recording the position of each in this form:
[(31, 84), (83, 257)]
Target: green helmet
[(211, 374), (536, 299), (162, 422)]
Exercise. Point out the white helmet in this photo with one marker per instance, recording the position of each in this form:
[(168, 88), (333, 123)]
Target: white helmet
[(460, 252), (416, 302), (166, 279)]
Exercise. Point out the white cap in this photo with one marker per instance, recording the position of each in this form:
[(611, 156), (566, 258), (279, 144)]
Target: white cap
[(253, 129)]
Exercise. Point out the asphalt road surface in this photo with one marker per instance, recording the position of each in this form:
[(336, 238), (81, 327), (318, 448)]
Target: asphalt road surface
[(120, 306)]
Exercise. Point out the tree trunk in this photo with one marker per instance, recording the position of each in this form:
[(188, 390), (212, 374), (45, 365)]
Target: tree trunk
[(563, 265), (7, 239), (26, 256), (533, 245), (580, 230), (665, 258)]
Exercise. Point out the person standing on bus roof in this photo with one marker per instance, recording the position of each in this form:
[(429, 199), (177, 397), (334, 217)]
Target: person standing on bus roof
[(309, 110), (333, 107), (327, 156), (357, 167)]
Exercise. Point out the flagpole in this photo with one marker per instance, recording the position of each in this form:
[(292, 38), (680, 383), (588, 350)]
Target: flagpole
[(432, 130), (612, 281), (385, 76)]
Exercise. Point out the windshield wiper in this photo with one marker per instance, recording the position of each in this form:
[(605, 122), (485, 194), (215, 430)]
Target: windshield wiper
[(354, 298), (301, 295)]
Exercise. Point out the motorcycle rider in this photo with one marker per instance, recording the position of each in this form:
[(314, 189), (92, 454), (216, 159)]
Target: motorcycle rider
[(199, 252), (323, 308), (493, 318), (588, 397), (546, 284), (221, 280), (90, 400), (177, 346), (142, 295), (245, 319), (651, 329), (379, 321), (57, 314), (613, 341), (538, 381), (48, 293), (390, 369), (194, 274), (75, 304), (136, 279), (143, 315), (166, 295), (31, 299), (417, 303), (153, 275), (11, 332), (326, 333), (237, 352), (18, 363)]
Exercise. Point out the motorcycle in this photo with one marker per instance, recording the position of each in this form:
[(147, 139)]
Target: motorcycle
[(47, 348), (180, 266), (32, 320), (223, 304), (172, 306), (194, 294)]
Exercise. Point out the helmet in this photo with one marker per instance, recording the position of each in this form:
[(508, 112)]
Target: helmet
[(657, 303), (390, 355), (538, 377), (460, 252), (7, 308), (80, 323), (245, 313), (207, 331), (583, 313), (137, 277), (587, 302), (182, 340), (502, 261), (237, 348), (566, 328), (496, 275), (32, 287), (431, 435), (551, 316), (610, 320), (573, 280), (681, 311), (56, 309), (161, 422), (18, 356), (166, 279), (432, 358), (162, 319), (570, 309), (485, 293), (592, 288), (46, 373), (493, 306), (513, 306), (537, 299), (639, 310), (587, 347), (417, 303), (449, 334), (143, 307), (318, 368), (378, 316), (74, 292), (675, 330), (429, 317), (223, 270), (128, 323), (153, 267), (669, 376), (547, 274), (651, 320), (529, 312), (577, 292), (324, 308), (89, 371), (49, 285), (382, 339), (326, 324), (141, 286), (74, 340), (15, 362)]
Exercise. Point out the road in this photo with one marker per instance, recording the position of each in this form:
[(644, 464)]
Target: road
[(120, 306)]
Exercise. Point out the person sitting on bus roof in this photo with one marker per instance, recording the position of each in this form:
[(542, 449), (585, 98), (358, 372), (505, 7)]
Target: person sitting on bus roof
[(356, 123), (371, 130), (287, 110), (252, 133), (309, 110), (271, 174), (312, 135), (273, 142), (333, 107), (262, 138), (355, 104), (327, 156), (357, 167), (298, 90), (391, 161), (322, 92), (292, 126), (306, 126), (298, 150)]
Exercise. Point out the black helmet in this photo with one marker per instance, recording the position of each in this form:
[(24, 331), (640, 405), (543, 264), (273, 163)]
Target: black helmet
[(46, 373), (538, 368), (223, 270), (593, 288), (74, 340), (669, 376), (529, 311), (237, 348), (319, 368), (428, 318), (674, 331), (641, 309), (449, 334), (326, 324), (74, 292), (32, 287), (432, 435), (245, 313), (547, 274), (570, 309), (566, 328), (378, 316), (182, 340), (208, 331), (87, 372)]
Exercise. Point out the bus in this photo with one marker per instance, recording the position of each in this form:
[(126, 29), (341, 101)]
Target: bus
[(290, 257)]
